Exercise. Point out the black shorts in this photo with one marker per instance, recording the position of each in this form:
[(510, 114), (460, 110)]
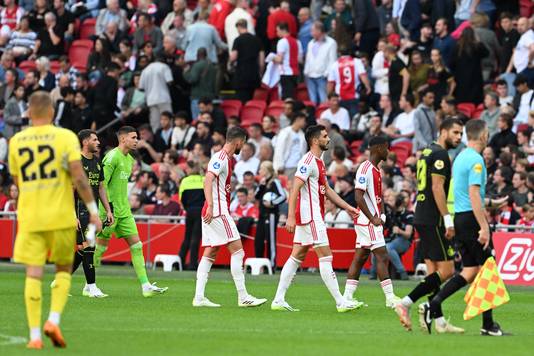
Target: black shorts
[(83, 216), (434, 245), (471, 251)]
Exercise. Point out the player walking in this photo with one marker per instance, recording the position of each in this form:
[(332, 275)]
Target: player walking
[(118, 165), (218, 227), (45, 162), (368, 224), (306, 219), (433, 222)]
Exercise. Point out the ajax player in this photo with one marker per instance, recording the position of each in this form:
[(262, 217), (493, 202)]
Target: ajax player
[(218, 227), (306, 219)]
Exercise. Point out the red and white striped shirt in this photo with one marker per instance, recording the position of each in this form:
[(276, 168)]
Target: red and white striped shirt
[(345, 73), (310, 202), (290, 50), (221, 166), (369, 179), (11, 17)]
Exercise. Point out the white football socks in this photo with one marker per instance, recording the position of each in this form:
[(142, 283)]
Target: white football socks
[(350, 288), (236, 268), (202, 276), (35, 333), (407, 301), (387, 287), (286, 277), (329, 278)]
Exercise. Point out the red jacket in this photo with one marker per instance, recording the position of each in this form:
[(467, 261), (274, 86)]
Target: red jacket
[(218, 15), (277, 17)]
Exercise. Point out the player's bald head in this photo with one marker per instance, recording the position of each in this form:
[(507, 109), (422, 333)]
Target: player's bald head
[(40, 106)]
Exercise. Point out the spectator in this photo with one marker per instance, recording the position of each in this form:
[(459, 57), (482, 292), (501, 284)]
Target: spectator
[(401, 235), (338, 158), (443, 41), (7, 88), (288, 55), (239, 14), (492, 112), (7, 61), (380, 69), (336, 140), (280, 15), (133, 105), (289, 110), (165, 129), (65, 68), (344, 78), (305, 25), (249, 182), (178, 32), (10, 17), (424, 122), (55, 94), (524, 141), (64, 106), (402, 128), (248, 57), (345, 189), (290, 146), (256, 137), (164, 205), (37, 15), (111, 14), (147, 32), (521, 195), (202, 136), (505, 136), (385, 14), (248, 162), (99, 58), (449, 110), (155, 80), (12, 203), (146, 187), (31, 83), (508, 37), (146, 50), (425, 42), (505, 100), (366, 25), (528, 216), (410, 19), (202, 35), (182, 132), (341, 16), (206, 106), (336, 114), (191, 195), (218, 14), (480, 22), (22, 41), (244, 208), (65, 20), (418, 71), (388, 111), (336, 217), (104, 96), (522, 54), (321, 54), (179, 8), (375, 129), (439, 79), (526, 101), (466, 68), (14, 111), (267, 127), (82, 113), (398, 75), (501, 185), (112, 37), (135, 204), (150, 147), (202, 77), (50, 39), (46, 79)]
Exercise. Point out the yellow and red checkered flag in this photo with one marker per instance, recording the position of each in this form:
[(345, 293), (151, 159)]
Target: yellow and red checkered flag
[(486, 292)]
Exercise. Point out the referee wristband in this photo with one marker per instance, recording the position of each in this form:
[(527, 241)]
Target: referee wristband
[(448, 221), (92, 208), (383, 217)]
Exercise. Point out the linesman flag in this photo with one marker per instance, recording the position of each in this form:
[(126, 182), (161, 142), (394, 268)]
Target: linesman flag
[(486, 292)]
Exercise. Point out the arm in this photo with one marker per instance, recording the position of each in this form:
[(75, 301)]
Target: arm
[(365, 81), (360, 201), (281, 193), (452, 85), (55, 38), (292, 202), (156, 156), (440, 196), (104, 199), (336, 199), (208, 194), (79, 179), (261, 61), (405, 81), (406, 233), (192, 76), (233, 56)]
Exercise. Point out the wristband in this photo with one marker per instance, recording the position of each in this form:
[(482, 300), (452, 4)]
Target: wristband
[(92, 208), (448, 221), (383, 217)]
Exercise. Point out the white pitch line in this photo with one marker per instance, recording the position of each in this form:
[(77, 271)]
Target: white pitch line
[(11, 340)]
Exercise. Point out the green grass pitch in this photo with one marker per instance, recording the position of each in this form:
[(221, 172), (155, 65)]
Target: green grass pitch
[(128, 324)]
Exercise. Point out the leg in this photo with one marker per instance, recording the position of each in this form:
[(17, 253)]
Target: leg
[(138, 259), (154, 117), (204, 267), (383, 273), (78, 258), (321, 90), (327, 273), (236, 268), (33, 300), (88, 267), (271, 243), (289, 270), (353, 275), (394, 248), (312, 89), (184, 249)]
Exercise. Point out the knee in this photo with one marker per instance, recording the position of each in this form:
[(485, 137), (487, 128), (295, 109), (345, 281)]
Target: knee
[(381, 256)]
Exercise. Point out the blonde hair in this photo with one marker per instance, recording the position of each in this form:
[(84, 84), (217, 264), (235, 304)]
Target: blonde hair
[(40, 104), (479, 20)]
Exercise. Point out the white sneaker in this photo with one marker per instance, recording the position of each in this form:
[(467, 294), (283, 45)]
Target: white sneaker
[(96, 293), (153, 290), (347, 306), (359, 304), (251, 301), (282, 306), (204, 302), (392, 302), (448, 328)]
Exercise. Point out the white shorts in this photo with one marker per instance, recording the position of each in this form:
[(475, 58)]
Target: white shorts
[(369, 236), (313, 233), (220, 231)]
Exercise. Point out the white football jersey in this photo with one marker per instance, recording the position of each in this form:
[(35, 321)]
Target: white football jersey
[(369, 179), (221, 166), (310, 202)]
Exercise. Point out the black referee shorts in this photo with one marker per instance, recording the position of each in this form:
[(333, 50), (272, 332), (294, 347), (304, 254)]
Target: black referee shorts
[(84, 217), (472, 252), (433, 243)]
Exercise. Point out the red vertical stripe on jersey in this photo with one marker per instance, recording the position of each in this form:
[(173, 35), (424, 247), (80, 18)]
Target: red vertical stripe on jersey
[(293, 55), (218, 196), (322, 184), (347, 78), (231, 163), (309, 195), (377, 185), (227, 226)]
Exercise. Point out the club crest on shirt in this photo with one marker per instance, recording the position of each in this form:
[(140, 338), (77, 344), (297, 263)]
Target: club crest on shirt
[(361, 180), (477, 168), (228, 188), (216, 165), (322, 189), (439, 164), (303, 169)]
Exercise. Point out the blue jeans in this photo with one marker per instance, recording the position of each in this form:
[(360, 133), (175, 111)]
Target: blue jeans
[(395, 248), (195, 111), (316, 89)]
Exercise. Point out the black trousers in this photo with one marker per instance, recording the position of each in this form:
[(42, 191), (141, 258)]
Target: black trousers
[(193, 235), (289, 86), (245, 94), (266, 234)]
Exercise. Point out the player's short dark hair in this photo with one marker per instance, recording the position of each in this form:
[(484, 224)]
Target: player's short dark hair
[(474, 129), (125, 130), (165, 189), (333, 95), (426, 91), (205, 100), (445, 21), (242, 190), (377, 141), (283, 26), (313, 131), (447, 124), (85, 134), (235, 133), (167, 114)]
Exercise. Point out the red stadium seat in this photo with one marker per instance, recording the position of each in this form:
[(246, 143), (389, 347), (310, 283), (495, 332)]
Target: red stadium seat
[(26, 66), (302, 93), (79, 52), (478, 111), (260, 104), (84, 43), (261, 93), (468, 109), (275, 109), (87, 28), (231, 107), (251, 115), (54, 66), (155, 168), (322, 107), (149, 209), (283, 180), (403, 151)]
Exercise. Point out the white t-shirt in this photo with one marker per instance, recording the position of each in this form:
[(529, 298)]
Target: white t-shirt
[(252, 165), (404, 123), (339, 216), (341, 118), (182, 137), (332, 168), (258, 143), (310, 202), (294, 151), (369, 179), (153, 81), (525, 106), (522, 50)]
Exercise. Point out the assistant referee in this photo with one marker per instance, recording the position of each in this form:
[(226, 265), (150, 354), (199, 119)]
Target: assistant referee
[(472, 228)]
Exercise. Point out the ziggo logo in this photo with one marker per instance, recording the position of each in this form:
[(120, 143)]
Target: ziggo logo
[(517, 260)]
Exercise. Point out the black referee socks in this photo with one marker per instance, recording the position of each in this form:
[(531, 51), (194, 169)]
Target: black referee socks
[(429, 285), (452, 286)]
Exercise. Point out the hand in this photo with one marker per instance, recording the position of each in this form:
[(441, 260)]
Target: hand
[(353, 212), (142, 144), (110, 218), (396, 230), (499, 202), (95, 220), (376, 221), (367, 90), (78, 225), (208, 216), (484, 236), (263, 181), (357, 37), (290, 224), (449, 234)]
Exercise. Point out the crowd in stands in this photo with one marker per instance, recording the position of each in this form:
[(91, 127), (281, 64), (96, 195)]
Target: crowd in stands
[(183, 72)]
